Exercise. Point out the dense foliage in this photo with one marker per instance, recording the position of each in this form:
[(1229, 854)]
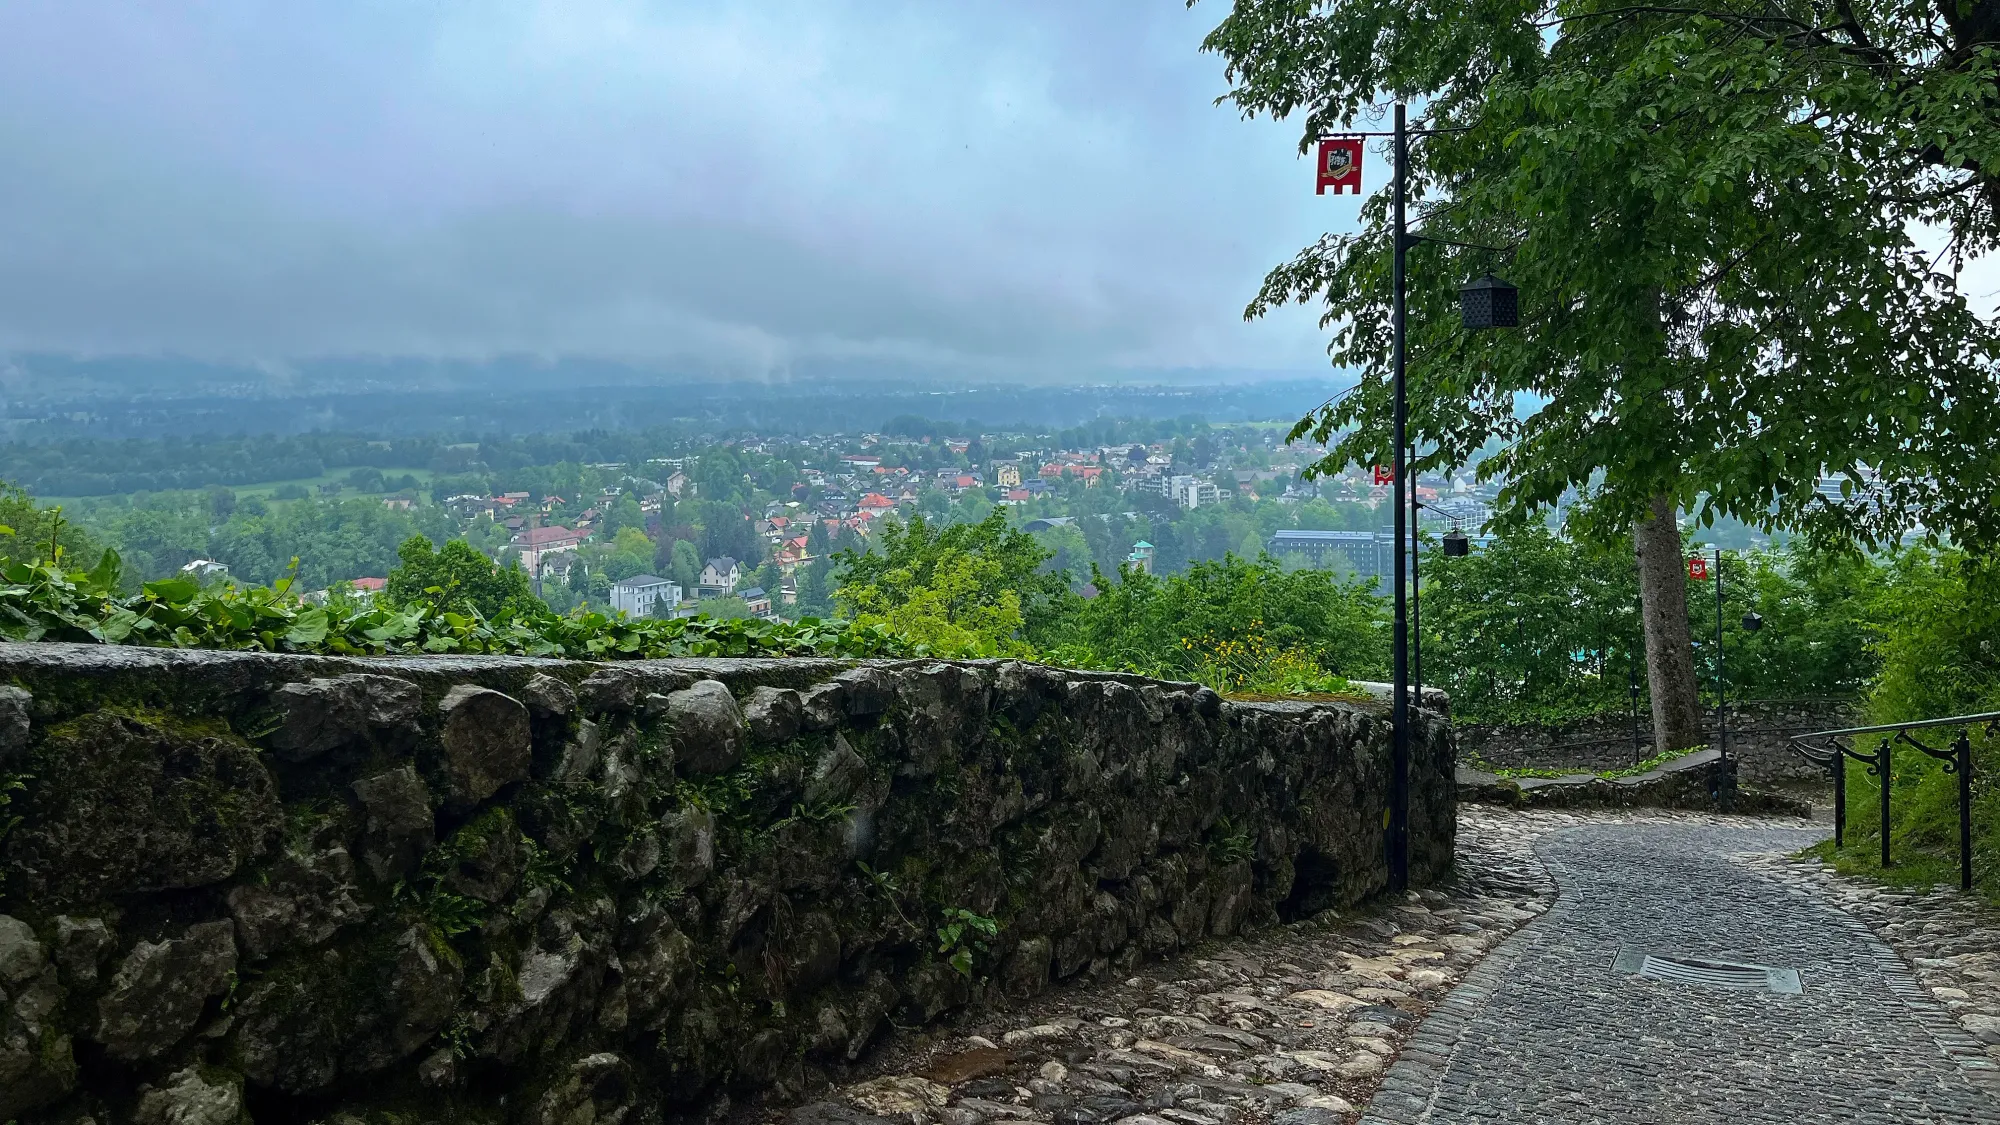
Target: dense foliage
[(458, 578), (1824, 616), (1534, 626), (1235, 625), (964, 589), (47, 599), (334, 538), (987, 589), (1939, 645), (1721, 300), (1538, 627), (40, 529)]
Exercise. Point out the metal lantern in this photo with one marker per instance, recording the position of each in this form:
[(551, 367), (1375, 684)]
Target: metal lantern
[(1456, 544), (1753, 621), (1489, 302)]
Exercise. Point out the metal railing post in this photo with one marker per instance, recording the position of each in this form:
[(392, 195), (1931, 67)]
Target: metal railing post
[(1882, 766), (1964, 749), (1839, 800), (1824, 747)]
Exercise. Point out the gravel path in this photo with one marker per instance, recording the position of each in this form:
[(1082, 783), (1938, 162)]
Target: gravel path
[(1547, 1030)]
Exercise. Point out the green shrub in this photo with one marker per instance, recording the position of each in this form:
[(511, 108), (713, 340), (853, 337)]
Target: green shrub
[(44, 599), (977, 589), (1235, 625), (457, 576), (1538, 627), (1938, 616)]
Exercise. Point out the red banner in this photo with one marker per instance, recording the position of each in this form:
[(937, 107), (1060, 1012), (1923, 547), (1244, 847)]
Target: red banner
[(1698, 569), (1384, 475), (1340, 166)]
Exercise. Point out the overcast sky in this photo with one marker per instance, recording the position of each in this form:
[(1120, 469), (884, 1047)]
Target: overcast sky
[(1035, 189)]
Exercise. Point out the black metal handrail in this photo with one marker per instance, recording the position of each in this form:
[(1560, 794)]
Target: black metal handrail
[(1821, 748)]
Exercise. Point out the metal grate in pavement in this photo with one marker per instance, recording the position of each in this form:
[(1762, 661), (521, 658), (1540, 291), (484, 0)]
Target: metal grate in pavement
[(1704, 971)]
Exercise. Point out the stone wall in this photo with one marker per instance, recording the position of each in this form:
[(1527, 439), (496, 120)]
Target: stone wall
[(1757, 740), (255, 887), (1703, 780)]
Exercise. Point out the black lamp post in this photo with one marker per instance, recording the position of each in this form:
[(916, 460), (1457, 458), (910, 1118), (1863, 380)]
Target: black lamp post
[(1721, 680), (1485, 303), (1455, 544)]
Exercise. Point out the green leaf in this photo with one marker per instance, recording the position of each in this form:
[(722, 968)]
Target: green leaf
[(119, 626), (308, 628), (173, 590)]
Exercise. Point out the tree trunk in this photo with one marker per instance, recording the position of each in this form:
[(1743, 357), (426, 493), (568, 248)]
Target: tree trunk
[(1669, 649)]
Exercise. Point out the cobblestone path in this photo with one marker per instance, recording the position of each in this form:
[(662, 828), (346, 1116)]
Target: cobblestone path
[(1293, 1025), (1547, 1030)]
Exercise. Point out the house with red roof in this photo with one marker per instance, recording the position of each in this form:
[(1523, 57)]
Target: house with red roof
[(535, 543)]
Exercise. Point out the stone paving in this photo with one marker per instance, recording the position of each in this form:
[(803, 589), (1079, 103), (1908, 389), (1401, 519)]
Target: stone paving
[(1297, 1023), (1545, 1030), (1428, 1010), (1952, 940)]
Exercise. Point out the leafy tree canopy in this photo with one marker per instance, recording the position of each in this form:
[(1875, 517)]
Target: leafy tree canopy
[(1706, 208), (961, 608), (985, 567), (1229, 620), (630, 553), (1537, 627), (461, 576), (37, 530), (1940, 615)]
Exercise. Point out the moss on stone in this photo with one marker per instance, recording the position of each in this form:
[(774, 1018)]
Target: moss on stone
[(1060, 814)]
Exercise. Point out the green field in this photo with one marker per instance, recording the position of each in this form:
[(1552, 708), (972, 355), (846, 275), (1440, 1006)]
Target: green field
[(263, 489)]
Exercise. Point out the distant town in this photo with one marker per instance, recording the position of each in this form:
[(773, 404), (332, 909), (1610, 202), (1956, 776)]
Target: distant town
[(845, 486), (670, 523), (746, 524)]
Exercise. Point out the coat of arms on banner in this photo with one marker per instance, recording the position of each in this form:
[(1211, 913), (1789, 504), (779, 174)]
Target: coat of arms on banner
[(1340, 165)]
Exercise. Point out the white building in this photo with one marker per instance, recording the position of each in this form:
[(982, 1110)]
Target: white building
[(720, 576), (205, 571), (637, 595), (1192, 492)]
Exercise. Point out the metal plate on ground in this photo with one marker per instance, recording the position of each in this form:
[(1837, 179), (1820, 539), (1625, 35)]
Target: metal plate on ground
[(1708, 971)]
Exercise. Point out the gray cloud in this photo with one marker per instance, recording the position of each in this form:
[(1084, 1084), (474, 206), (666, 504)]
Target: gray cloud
[(1004, 189)]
